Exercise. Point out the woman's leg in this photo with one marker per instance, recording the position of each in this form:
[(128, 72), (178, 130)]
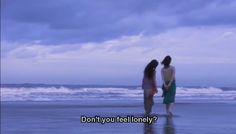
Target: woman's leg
[(150, 104), (169, 109), (145, 104)]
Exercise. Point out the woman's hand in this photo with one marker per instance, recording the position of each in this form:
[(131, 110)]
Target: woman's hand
[(154, 91), (166, 87)]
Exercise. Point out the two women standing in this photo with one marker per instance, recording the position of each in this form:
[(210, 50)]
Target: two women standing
[(150, 88)]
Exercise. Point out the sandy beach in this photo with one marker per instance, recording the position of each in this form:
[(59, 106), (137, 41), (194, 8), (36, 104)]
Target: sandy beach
[(64, 117)]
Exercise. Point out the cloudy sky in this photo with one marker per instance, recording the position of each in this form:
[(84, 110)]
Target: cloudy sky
[(111, 41)]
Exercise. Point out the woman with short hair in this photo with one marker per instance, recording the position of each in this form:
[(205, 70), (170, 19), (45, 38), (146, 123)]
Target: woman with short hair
[(169, 86)]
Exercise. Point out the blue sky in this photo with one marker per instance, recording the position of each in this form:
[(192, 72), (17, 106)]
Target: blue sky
[(111, 41)]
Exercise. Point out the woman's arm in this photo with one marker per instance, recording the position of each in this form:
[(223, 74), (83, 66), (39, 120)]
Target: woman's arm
[(172, 77), (154, 82), (162, 76)]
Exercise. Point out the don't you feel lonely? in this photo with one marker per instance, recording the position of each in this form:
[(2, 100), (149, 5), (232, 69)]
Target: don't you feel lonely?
[(118, 119)]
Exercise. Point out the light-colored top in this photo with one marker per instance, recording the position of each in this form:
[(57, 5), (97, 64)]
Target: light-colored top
[(149, 83), (168, 74)]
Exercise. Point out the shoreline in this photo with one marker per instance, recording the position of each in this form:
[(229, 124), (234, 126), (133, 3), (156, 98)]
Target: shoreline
[(114, 102)]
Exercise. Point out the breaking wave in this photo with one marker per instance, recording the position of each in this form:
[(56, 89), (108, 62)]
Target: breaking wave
[(63, 93)]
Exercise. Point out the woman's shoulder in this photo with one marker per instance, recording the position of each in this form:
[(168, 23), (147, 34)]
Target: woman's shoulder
[(172, 67)]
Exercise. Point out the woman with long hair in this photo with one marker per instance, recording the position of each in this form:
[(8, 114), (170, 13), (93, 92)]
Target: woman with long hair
[(169, 86), (149, 85)]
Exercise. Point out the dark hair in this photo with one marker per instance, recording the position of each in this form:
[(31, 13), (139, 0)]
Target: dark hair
[(166, 61), (150, 68)]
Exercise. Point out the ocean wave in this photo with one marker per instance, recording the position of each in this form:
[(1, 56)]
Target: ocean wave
[(108, 93)]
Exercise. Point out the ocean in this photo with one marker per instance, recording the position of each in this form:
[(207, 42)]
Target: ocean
[(44, 92), (50, 109)]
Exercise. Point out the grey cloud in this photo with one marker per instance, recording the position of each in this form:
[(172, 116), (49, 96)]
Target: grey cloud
[(62, 21), (218, 13)]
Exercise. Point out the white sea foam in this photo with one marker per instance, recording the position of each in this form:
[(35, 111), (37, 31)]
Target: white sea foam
[(65, 93)]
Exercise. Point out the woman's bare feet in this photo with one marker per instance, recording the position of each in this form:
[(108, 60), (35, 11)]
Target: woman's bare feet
[(169, 114)]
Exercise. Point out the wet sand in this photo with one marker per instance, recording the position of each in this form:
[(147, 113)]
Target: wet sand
[(64, 117)]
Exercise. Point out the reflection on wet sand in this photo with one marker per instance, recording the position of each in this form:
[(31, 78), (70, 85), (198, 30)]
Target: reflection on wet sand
[(169, 127), (148, 128)]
